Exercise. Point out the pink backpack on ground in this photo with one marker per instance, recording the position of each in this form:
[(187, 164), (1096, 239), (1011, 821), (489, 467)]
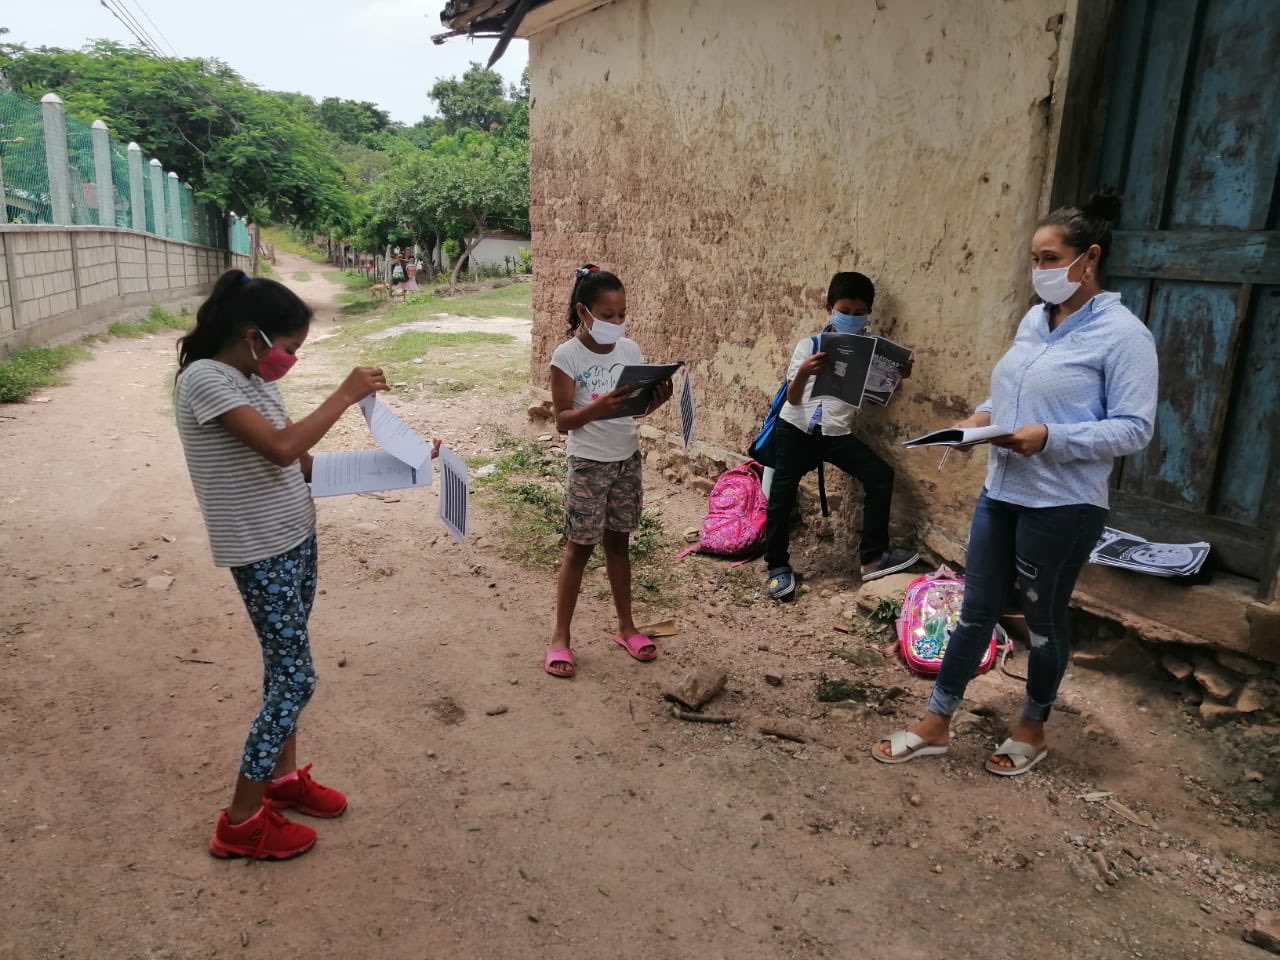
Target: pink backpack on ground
[(930, 612), (736, 508)]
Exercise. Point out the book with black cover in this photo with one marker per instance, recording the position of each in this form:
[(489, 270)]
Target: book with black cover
[(844, 374), (645, 379)]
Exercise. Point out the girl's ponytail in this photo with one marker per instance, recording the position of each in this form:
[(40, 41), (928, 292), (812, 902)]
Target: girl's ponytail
[(238, 302), (588, 283)]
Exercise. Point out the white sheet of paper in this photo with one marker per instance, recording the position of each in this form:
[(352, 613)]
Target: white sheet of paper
[(455, 494), (364, 471), (393, 434), (688, 410)]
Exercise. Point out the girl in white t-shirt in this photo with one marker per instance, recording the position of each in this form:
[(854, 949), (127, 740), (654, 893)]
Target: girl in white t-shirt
[(603, 495)]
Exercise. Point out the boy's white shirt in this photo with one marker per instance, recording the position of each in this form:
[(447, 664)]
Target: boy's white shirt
[(837, 416)]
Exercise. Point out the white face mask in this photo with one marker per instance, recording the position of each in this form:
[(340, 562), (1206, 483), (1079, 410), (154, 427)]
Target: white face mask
[(604, 333), (1052, 286)]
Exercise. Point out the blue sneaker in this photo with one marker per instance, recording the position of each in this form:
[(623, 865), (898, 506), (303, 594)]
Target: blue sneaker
[(782, 583)]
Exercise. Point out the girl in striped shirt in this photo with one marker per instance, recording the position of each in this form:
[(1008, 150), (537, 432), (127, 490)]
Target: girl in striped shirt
[(250, 466)]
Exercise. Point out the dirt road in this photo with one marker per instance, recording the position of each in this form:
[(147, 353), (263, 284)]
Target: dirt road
[(583, 821)]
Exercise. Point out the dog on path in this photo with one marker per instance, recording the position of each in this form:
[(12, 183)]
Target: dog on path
[(378, 291)]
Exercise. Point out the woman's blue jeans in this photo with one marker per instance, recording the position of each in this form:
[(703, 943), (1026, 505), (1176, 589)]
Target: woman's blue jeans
[(1041, 550)]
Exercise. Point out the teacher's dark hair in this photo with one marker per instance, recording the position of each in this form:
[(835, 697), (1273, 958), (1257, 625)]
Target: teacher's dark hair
[(1086, 225)]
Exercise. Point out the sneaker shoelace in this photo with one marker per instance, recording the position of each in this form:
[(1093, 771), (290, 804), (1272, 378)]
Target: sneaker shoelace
[(273, 821)]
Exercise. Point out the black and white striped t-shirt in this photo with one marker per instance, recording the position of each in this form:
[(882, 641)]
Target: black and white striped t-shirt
[(252, 508)]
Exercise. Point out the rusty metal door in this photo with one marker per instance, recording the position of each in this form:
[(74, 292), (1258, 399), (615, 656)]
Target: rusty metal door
[(1192, 138)]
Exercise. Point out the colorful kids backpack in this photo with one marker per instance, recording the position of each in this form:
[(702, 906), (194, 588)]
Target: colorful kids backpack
[(736, 507), (930, 612)]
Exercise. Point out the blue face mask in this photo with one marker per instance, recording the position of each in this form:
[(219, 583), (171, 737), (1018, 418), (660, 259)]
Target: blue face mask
[(848, 322)]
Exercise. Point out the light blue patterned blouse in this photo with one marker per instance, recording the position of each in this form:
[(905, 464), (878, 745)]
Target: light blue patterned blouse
[(1093, 382)]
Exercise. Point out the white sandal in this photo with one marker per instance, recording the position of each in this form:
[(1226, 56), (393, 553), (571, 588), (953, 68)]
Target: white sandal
[(905, 745), (1023, 755)]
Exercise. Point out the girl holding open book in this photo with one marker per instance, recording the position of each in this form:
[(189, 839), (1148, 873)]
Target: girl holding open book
[(1076, 390), (603, 491)]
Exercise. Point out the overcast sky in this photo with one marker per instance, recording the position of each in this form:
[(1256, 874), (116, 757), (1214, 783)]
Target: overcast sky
[(375, 50)]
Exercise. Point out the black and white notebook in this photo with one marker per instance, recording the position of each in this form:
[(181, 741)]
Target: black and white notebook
[(889, 364), (958, 437), (844, 374), (644, 377)]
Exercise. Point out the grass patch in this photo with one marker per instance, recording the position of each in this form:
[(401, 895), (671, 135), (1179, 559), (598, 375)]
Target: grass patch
[(282, 238), (357, 308), (351, 279), (156, 321), (30, 370), (265, 269), (527, 483), (451, 363), (409, 346), (513, 300), (302, 277)]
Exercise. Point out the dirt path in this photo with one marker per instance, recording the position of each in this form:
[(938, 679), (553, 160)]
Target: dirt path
[(583, 821)]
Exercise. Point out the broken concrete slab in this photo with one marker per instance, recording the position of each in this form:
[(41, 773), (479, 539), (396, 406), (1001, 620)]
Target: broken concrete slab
[(891, 587), (1264, 932)]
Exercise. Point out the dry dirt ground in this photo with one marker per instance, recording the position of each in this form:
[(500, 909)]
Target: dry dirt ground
[(582, 822)]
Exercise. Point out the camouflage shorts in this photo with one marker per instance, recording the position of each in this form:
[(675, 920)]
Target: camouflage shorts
[(599, 496)]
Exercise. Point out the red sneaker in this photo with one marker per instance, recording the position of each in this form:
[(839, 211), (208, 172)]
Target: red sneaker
[(267, 835), (310, 798)]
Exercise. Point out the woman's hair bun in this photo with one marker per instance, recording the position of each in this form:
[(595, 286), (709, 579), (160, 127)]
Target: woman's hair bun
[(1105, 204)]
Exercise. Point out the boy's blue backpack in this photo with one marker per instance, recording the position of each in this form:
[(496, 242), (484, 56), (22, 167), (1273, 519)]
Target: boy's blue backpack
[(762, 447)]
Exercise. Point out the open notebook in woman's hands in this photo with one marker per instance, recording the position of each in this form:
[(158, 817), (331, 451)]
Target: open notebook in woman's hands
[(958, 437)]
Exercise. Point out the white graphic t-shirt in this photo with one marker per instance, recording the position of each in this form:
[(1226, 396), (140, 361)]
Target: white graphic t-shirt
[(593, 375)]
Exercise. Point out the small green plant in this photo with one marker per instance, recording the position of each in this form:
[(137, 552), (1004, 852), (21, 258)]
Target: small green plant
[(646, 541), (265, 269), (29, 370), (156, 321), (888, 609), (524, 259)]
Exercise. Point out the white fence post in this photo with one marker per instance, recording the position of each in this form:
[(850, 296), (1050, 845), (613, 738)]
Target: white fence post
[(175, 208), (190, 232), (102, 174), (157, 198), (56, 157), (137, 189)]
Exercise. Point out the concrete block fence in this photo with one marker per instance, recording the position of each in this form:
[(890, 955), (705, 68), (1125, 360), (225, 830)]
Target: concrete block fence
[(60, 281)]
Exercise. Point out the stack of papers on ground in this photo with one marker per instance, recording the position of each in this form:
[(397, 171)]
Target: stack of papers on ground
[(1130, 552)]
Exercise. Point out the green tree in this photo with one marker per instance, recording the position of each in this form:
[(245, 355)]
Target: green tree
[(476, 99), (351, 121), (239, 146)]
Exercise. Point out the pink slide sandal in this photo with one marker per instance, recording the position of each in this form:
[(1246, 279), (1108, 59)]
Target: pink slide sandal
[(560, 663), (638, 645)]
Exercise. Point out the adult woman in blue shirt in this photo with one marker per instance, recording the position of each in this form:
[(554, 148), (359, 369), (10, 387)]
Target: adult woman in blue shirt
[(1077, 389)]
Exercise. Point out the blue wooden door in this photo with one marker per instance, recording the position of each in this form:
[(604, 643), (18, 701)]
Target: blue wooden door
[(1192, 138)]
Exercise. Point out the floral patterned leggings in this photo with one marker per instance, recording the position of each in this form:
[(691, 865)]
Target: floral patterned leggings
[(278, 593)]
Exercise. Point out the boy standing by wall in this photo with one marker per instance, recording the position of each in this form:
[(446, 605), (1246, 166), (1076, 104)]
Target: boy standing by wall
[(810, 432)]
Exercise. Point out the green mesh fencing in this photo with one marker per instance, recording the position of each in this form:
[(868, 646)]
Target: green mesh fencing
[(120, 181), (22, 158), (84, 188)]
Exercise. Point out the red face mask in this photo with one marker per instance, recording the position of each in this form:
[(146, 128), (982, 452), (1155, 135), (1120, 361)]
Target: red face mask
[(273, 364)]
